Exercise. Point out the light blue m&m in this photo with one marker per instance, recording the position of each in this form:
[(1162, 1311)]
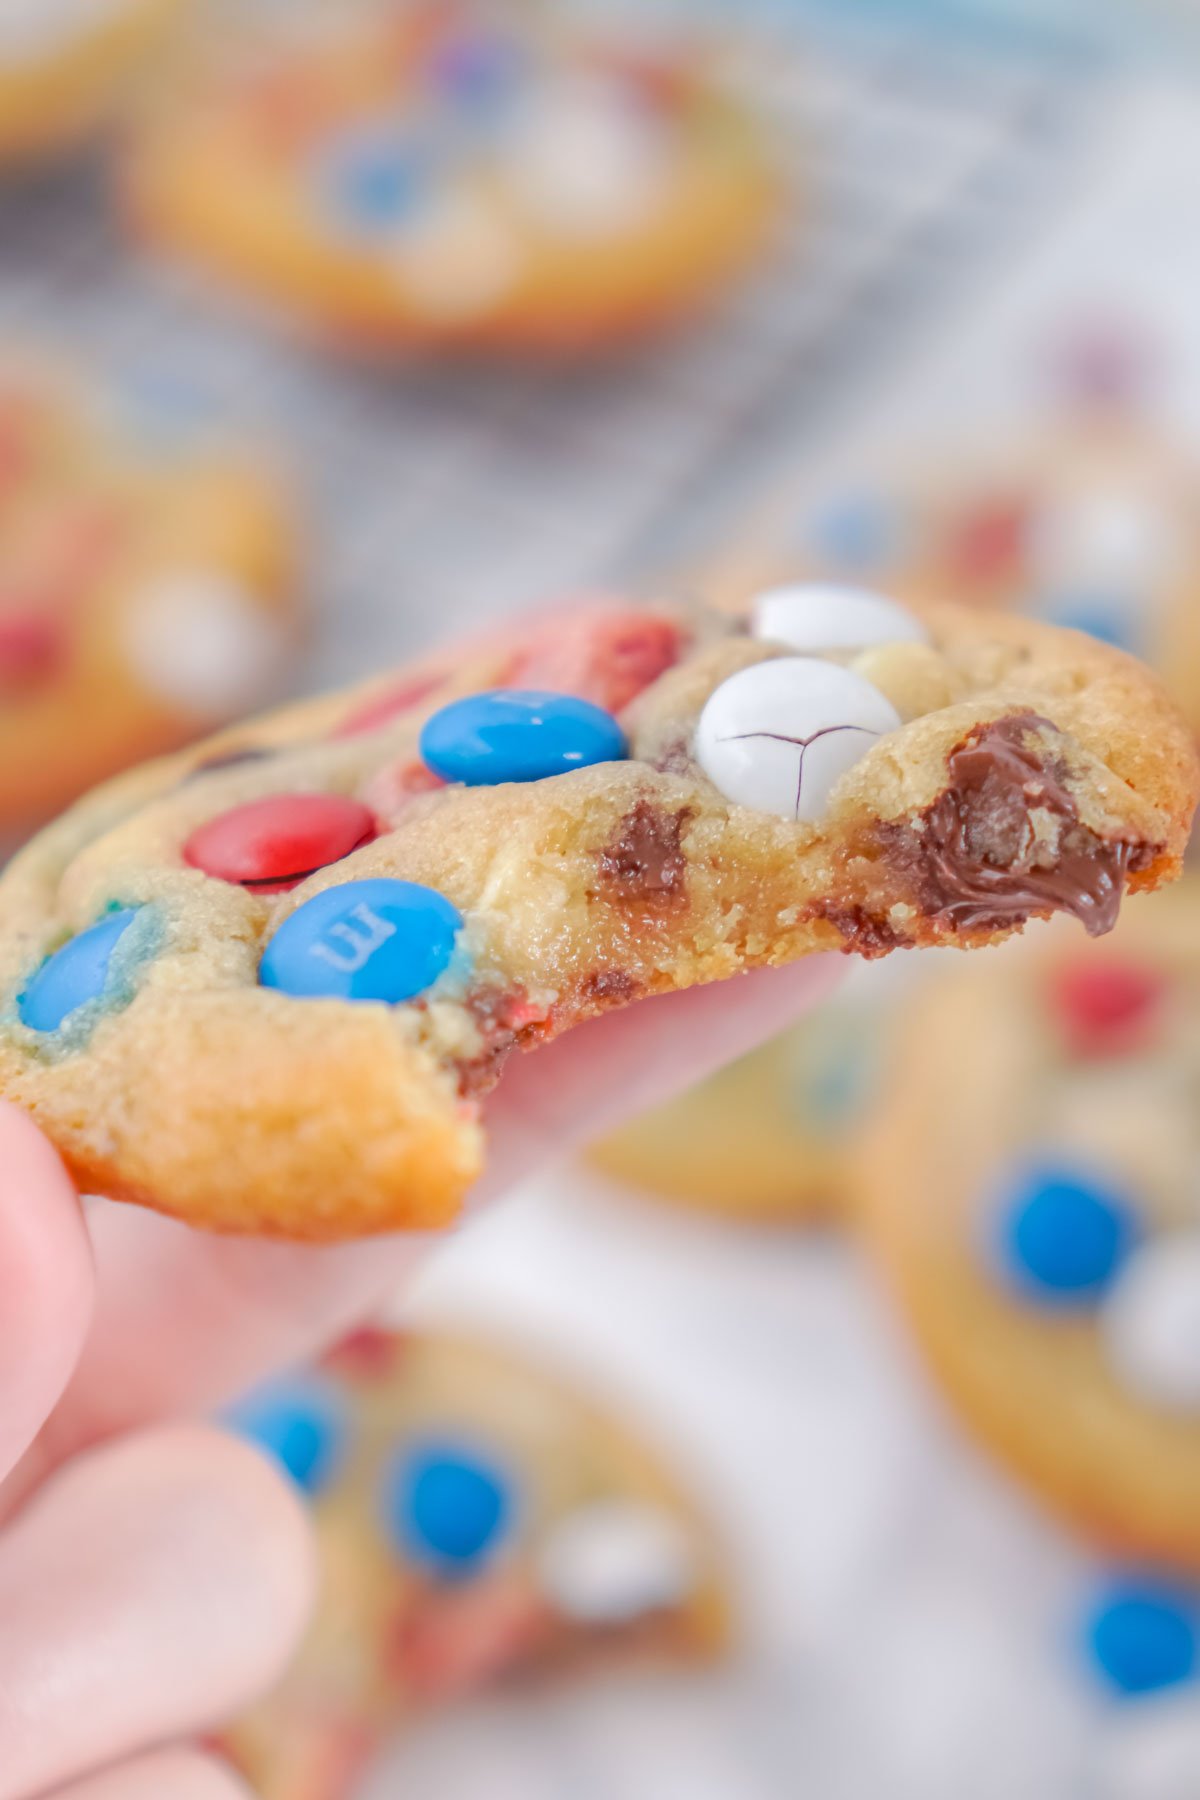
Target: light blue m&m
[(446, 1504), (518, 734), (372, 178), (1064, 1234), (366, 940), (1145, 1637), (75, 974), (301, 1422)]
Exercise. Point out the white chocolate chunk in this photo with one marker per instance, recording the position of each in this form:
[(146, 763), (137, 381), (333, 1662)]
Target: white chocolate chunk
[(616, 1560), (779, 735), (199, 641), (1151, 1322), (815, 616)]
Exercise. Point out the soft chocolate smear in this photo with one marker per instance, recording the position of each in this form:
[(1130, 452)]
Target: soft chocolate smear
[(980, 860), (644, 858)]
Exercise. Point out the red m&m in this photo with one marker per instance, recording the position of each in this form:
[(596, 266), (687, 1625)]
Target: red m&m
[(1107, 1008), (271, 845)]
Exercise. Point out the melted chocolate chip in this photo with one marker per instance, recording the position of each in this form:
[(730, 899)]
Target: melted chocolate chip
[(1005, 841), (644, 859)]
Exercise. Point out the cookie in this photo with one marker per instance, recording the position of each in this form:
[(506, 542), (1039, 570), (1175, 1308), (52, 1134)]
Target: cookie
[(146, 590), (66, 65), (440, 175), (480, 1524), (1031, 1197), (264, 985), (769, 1139)]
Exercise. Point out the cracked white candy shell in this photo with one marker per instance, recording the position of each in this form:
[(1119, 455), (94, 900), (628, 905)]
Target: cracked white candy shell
[(825, 616), (1151, 1323), (780, 735)]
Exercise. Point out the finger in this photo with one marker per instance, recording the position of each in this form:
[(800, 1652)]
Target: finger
[(147, 1592), (45, 1281), (185, 1321), (171, 1775), (636, 1059)]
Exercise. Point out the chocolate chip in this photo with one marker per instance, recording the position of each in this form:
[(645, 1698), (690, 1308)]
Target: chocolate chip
[(979, 861), (644, 859)]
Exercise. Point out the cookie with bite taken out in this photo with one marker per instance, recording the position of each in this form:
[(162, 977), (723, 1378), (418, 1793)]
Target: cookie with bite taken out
[(265, 985)]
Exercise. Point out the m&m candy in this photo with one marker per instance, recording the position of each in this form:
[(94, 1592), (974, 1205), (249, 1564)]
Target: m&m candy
[(447, 1504), (1108, 1007), (372, 178), (779, 735), (272, 844), (518, 735), (365, 940), (75, 974), (1063, 1235), (1144, 1637), (301, 1423)]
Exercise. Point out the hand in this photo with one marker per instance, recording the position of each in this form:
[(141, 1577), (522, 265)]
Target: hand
[(155, 1574)]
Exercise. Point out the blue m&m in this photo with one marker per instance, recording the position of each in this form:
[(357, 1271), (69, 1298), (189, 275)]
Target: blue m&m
[(1108, 619), (301, 1423), (447, 1505), (478, 73), (372, 178), (859, 532), (75, 974), (1144, 1636), (1063, 1234), (366, 940), (515, 734)]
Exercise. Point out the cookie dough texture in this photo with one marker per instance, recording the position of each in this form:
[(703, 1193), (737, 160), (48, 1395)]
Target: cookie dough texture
[(244, 1109)]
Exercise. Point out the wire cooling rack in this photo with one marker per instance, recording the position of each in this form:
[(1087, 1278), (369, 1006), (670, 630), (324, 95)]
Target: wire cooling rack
[(438, 494)]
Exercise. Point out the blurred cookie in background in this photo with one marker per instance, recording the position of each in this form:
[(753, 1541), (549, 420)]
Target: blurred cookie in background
[(443, 174), (771, 1139), (1031, 1195), (147, 587), (480, 1524), (1090, 518), (67, 66)]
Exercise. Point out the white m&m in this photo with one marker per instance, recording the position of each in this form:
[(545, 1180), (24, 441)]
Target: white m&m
[(614, 1560), (1151, 1322), (778, 736), (817, 616)]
